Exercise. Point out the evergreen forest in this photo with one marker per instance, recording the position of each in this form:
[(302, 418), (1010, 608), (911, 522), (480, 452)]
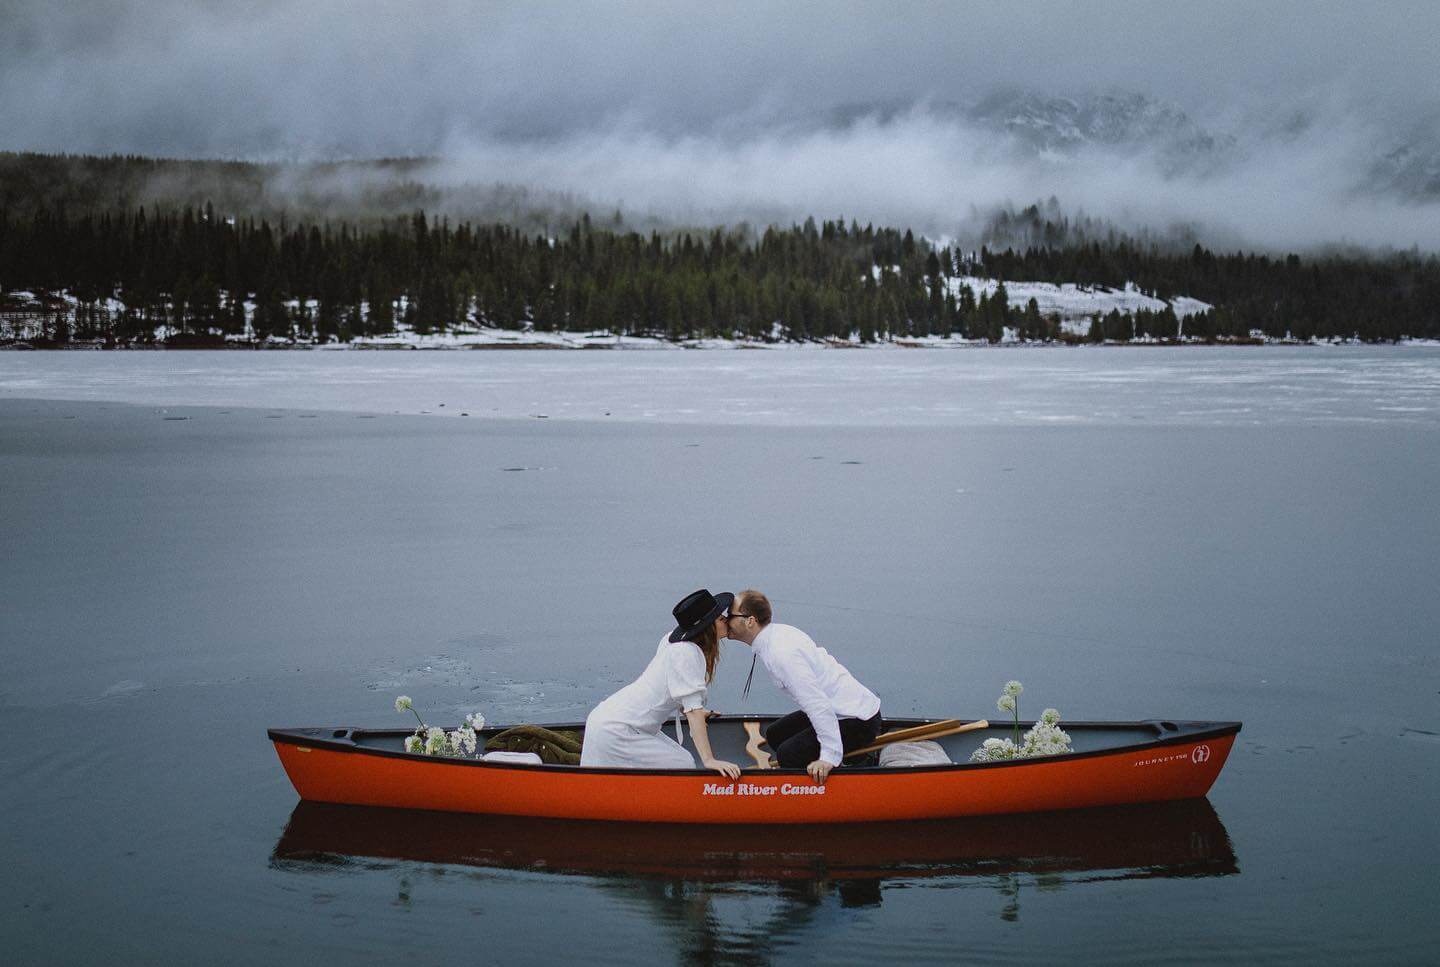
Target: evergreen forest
[(196, 274)]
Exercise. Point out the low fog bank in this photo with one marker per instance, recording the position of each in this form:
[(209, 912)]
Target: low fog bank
[(934, 169), (944, 177), (1294, 125)]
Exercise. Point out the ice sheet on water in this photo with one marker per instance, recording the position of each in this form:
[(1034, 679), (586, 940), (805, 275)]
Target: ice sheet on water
[(437, 670), (1000, 386), (126, 687)]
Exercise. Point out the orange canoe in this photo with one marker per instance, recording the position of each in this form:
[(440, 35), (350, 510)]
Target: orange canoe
[(1113, 763)]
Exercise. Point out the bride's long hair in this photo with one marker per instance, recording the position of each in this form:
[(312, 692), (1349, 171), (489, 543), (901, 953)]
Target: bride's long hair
[(709, 644)]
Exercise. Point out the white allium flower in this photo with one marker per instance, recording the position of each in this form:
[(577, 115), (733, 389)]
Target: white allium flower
[(994, 749), (476, 721), (461, 741), (435, 741), (1046, 738), (413, 744), (402, 704)]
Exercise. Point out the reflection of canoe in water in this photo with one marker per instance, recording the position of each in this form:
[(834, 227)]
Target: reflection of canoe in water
[(1114, 763), (1178, 839)]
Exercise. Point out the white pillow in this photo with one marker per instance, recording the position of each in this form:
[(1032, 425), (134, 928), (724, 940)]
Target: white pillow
[(528, 758), (913, 754)]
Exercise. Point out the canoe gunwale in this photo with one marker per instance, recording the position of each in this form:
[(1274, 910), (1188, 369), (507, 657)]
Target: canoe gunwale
[(326, 738)]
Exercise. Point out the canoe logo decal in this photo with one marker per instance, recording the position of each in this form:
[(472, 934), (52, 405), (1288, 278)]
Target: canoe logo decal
[(1199, 754), (756, 789)]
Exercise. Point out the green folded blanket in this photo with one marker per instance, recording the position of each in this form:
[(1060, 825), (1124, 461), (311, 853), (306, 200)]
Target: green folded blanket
[(555, 748)]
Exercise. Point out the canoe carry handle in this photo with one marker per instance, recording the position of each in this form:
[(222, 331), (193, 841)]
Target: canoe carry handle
[(932, 730), (757, 739)]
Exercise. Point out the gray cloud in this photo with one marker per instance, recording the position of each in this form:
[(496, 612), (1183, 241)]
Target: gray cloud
[(730, 110)]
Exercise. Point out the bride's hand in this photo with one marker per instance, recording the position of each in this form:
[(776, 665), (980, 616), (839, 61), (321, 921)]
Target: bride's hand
[(729, 769)]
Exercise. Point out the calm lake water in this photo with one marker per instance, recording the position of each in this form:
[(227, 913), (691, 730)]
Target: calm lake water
[(1132, 533)]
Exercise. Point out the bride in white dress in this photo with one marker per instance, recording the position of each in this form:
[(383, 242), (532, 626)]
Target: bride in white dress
[(624, 730)]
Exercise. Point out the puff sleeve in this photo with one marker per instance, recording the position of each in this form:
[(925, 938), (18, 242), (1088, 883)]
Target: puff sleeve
[(685, 675)]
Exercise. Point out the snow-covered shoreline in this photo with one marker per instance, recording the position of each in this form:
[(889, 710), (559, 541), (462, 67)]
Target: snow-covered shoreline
[(501, 340), (1071, 305)]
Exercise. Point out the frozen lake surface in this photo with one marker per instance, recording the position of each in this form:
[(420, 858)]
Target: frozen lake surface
[(1186, 386), (197, 546)]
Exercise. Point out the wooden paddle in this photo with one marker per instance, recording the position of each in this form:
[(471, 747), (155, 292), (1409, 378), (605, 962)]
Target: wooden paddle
[(931, 730)]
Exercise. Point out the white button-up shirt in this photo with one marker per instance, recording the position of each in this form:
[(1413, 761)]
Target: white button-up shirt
[(819, 684)]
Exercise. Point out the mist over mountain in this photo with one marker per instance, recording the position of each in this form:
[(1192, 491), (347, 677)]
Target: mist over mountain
[(1403, 160), (1295, 176), (1283, 125), (1041, 122)]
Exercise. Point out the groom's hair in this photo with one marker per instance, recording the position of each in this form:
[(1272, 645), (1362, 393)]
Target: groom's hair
[(754, 603)]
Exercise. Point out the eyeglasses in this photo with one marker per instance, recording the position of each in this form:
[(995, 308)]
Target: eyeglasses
[(737, 614)]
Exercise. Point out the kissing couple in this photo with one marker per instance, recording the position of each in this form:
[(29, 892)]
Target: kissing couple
[(836, 713)]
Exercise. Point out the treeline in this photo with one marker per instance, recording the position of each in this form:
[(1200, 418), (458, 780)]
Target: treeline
[(1335, 297), (194, 273), (1046, 224)]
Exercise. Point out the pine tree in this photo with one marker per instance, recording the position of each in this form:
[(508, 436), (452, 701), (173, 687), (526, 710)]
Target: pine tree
[(1032, 326), (999, 314)]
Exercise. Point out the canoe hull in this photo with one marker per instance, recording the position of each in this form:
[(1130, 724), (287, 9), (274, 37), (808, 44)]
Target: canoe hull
[(1181, 768)]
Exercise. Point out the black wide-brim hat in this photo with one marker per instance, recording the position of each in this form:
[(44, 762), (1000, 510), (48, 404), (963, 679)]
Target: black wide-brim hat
[(695, 612)]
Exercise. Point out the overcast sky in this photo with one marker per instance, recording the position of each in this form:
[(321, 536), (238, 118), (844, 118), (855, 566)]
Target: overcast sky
[(704, 106)]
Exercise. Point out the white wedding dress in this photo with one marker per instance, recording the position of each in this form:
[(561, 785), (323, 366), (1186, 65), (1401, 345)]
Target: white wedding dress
[(624, 730)]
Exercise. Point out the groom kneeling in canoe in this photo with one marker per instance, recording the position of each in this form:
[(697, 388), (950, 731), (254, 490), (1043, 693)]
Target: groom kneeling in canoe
[(837, 713)]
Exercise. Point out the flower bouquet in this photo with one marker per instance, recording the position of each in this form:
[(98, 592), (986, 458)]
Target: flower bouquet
[(1045, 738), (432, 740)]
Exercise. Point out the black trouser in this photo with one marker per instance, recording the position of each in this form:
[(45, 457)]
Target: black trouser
[(795, 744)]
